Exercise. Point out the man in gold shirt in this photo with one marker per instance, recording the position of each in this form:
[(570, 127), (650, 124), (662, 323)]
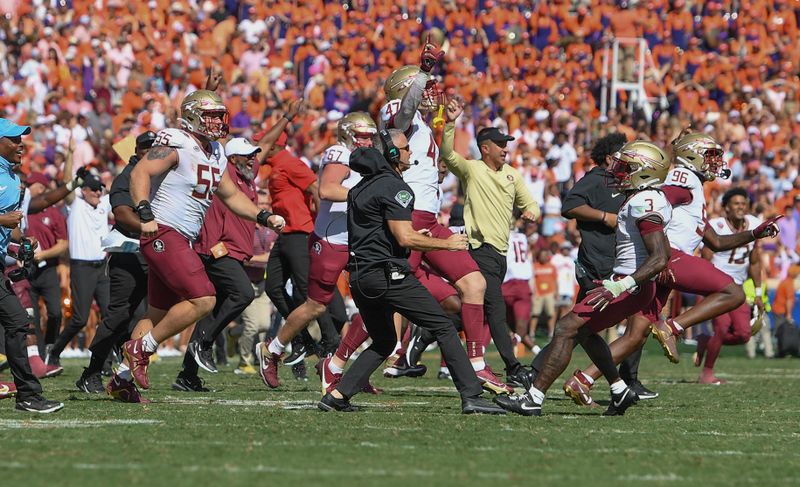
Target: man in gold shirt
[(493, 189)]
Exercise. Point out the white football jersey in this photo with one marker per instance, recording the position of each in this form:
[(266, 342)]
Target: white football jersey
[(423, 176), (565, 274), (519, 264), (631, 252), (685, 230), (182, 196), (331, 222), (734, 262)]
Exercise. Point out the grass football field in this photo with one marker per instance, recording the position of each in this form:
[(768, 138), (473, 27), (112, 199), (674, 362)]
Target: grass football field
[(744, 433)]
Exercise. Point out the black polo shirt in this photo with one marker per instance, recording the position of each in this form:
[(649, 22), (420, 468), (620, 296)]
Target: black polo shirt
[(120, 195), (598, 242), (380, 196)]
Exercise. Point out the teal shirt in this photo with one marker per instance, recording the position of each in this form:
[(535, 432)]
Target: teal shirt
[(10, 192)]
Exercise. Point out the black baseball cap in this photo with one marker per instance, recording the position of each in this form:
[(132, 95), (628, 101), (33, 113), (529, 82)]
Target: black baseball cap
[(145, 140), (494, 134), (92, 182)]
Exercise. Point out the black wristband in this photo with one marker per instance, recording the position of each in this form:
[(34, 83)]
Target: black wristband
[(144, 211), (287, 118), (262, 217)]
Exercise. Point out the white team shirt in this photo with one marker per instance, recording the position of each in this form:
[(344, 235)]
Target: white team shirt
[(519, 264), (423, 177), (631, 252), (734, 262), (565, 274), (182, 197), (685, 230), (87, 226), (331, 222)]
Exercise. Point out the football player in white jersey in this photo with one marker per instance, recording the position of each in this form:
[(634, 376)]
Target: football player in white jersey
[(697, 158), (642, 252), (173, 186), (410, 91), (732, 328), (328, 253), (517, 286)]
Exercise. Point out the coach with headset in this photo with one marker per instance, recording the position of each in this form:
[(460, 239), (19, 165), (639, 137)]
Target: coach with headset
[(379, 238)]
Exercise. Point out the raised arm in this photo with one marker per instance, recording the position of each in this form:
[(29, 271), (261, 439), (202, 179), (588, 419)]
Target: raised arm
[(455, 161), (430, 56), (269, 138), (718, 243)]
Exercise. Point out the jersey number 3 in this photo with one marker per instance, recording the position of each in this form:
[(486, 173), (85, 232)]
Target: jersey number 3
[(207, 179)]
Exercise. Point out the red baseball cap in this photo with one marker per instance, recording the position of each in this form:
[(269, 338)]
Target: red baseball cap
[(37, 177)]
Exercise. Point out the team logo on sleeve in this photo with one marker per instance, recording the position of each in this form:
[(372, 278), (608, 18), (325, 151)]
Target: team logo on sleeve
[(317, 248), (404, 198), (158, 246)]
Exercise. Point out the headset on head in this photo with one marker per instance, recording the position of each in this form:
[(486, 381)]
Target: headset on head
[(391, 152)]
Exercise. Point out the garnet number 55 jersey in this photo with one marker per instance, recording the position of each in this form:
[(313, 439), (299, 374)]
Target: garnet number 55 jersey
[(182, 196), (423, 175), (685, 230), (631, 252), (331, 222), (734, 262)]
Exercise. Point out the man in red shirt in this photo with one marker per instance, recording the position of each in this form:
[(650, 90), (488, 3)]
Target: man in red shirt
[(49, 227), (295, 197)]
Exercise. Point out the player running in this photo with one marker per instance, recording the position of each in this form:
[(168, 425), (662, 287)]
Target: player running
[(410, 92), (328, 255), (732, 328), (174, 185), (642, 251), (697, 159)]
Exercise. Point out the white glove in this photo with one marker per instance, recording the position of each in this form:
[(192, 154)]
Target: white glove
[(618, 287)]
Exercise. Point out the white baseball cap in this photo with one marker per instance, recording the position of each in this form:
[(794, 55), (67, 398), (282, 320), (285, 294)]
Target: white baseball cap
[(239, 146)]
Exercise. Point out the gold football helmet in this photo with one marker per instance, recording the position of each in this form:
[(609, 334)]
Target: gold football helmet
[(356, 130), (204, 113), (638, 165), (400, 80), (699, 153)]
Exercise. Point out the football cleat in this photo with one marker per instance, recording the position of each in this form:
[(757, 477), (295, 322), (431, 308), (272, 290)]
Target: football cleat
[(90, 383), (578, 389), (417, 344), (521, 377), (268, 366), (444, 374), (663, 333), (621, 402), (299, 371), (330, 403), (138, 360), (189, 383), (204, 358), (298, 355), (491, 382), (124, 391), (371, 389), (400, 368), (522, 404), (708, 377), (479, 405), (328, 379), (7, 389), (38, 404), (643, 392), (245, 369)]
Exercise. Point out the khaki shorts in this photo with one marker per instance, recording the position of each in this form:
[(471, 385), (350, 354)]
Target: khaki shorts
[(544, 303)]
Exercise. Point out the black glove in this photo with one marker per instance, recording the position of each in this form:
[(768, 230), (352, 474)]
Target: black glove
[(262, 217), (145, 212), (25, 252)]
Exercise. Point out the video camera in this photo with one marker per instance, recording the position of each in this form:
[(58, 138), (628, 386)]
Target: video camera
[(25, 256)]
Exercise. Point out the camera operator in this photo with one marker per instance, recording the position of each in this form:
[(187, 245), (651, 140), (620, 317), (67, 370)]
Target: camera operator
[(13, 317), (379, 236)]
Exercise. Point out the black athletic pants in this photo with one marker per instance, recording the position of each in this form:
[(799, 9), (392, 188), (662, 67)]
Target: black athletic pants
[(127, 275), (493, 267), (378, 299), (88, 281), (289, 259), (234, 294), (14, 320), (45, 283)]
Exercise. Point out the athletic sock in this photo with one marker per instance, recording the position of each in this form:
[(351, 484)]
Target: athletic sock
[(149, 344), (124, 372), (478, 365), (618, 387), (536, 395), (472, 318), (334, 368), (355, 336), (276, 347), (33, 350), (588, 378), (444, 370)]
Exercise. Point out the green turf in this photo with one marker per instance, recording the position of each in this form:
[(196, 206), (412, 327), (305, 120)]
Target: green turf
[(746, 432)]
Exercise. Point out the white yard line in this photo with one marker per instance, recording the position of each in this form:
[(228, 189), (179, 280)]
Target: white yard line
[(72, 423)]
